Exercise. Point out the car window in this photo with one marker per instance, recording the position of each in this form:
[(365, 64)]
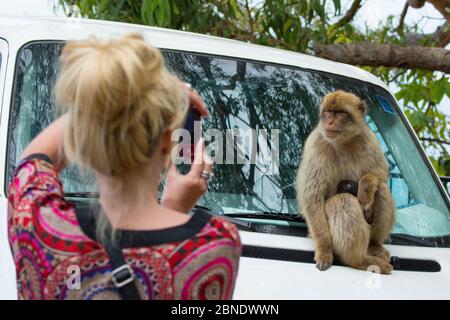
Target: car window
[(270, 99)]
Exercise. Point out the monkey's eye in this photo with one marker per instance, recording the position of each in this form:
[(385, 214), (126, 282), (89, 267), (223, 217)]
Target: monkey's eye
[(341, 113)]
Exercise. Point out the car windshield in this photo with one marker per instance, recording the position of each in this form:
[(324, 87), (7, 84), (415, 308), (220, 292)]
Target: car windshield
[(280, 103)]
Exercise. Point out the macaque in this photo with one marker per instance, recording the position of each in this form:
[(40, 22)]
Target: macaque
[(343, 149)]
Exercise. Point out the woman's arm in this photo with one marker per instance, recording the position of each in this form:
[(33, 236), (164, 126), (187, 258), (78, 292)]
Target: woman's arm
[(50, 143)]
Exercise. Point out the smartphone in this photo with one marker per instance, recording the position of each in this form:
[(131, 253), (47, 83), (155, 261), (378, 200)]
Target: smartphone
[(193, 125)]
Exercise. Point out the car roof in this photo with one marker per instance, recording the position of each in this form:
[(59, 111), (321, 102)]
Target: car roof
[(23, 29)]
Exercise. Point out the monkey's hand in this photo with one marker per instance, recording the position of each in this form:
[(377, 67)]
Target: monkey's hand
[(367, 187), (366, 205), (324, 260), (368, 214)]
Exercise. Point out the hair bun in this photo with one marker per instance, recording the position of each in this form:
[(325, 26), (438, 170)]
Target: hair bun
[(120, 97)]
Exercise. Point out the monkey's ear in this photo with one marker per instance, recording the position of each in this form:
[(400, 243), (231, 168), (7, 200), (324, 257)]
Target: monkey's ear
[(362, 107)]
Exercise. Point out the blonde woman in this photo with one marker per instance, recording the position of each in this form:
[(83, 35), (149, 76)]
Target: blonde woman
[(121, 106)]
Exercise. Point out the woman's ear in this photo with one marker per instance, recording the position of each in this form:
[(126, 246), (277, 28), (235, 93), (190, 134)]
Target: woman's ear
[(166, 142)]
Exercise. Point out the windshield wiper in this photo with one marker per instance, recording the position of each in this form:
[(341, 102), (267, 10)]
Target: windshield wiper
[(404, 239), (85, 195), (245, 224), (266, 215)]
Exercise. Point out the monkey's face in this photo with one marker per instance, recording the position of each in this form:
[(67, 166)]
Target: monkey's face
[(341, 116), (334, 122)]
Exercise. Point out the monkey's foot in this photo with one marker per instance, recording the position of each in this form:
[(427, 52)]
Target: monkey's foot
[(373, 264), (323, 260), (386, 268), (378, 251)]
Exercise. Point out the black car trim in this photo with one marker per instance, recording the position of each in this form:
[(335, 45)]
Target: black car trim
[(304, 256)]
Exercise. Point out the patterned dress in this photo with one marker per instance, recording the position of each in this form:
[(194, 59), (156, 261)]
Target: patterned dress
[(57, 257)]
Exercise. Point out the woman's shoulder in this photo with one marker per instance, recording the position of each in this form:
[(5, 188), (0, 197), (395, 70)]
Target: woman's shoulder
[(32, 176), (213, 228), (224, 228), (206, 265), (211, 234), (39, 209)]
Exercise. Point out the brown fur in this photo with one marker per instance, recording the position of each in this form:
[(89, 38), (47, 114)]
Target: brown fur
[(338, 223)]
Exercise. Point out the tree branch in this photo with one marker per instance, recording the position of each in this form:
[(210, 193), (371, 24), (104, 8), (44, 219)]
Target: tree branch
[(441, 37), (402, 18), (350, 13), (399, 74), (417, 4), (388, 55), (72, 3), (250, 19), (435, 140), (443, 6)]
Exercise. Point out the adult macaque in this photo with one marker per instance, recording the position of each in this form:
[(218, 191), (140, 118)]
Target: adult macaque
[(342, 151)]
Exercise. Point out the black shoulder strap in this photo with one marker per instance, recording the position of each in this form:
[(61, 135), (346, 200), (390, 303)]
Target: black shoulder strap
[(122, 274)]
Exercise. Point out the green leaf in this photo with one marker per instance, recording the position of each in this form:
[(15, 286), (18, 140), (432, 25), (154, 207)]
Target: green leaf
[(117, 8), (176, 11), (167, 11), (337, 7), (331, 31), (287, 25), (146, 11), (235, 7), (160, 13), (438, 90)]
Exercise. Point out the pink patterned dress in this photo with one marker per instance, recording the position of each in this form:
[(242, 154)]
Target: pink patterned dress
[(57, 257)]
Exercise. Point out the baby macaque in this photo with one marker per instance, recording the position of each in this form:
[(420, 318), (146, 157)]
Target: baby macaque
[(342, 190)]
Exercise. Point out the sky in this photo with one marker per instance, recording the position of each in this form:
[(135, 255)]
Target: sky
[(372, 13)]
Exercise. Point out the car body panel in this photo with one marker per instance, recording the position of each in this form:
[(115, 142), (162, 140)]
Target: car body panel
[(7, 275), (257, 278), (273, 279)]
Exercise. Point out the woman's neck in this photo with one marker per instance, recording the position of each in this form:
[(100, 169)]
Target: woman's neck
[(125, 215), (144, 215)]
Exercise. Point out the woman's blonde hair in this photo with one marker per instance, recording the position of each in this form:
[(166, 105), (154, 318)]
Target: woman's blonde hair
[(120, 98)]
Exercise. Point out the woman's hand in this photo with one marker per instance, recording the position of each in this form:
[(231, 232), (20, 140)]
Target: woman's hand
[(195, 101), (182, 192)]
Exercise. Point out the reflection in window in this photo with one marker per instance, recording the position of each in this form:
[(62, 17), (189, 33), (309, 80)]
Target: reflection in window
[(34, 109), (397, 184), (253, 95), (249, 95)]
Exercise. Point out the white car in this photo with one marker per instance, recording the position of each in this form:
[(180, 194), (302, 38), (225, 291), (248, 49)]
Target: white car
[(247, 86)]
